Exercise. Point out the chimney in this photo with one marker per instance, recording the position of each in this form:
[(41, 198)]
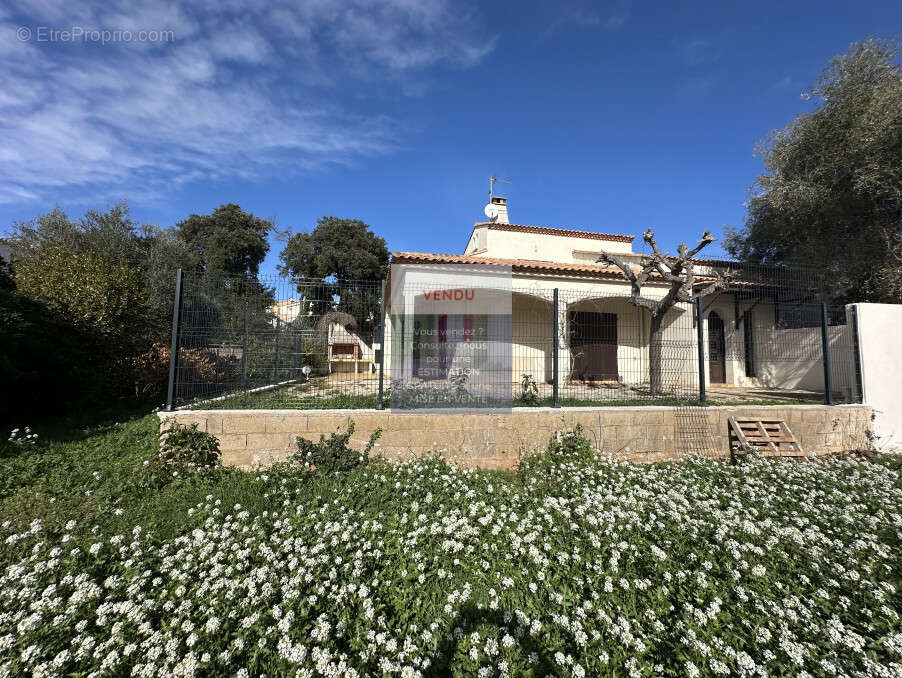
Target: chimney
[(501, 205)]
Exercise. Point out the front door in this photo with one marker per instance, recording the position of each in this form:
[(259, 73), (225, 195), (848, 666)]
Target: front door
[(593, 345), (717, 367)]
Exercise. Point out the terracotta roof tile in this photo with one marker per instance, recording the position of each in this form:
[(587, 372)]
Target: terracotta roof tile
[(549, 230), (520, 265), (530, 266)]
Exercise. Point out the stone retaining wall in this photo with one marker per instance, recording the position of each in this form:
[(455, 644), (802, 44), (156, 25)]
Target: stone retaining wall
[(251, 437)]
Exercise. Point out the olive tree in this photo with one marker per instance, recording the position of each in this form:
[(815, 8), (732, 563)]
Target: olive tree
[(679, 274), (831, 196)]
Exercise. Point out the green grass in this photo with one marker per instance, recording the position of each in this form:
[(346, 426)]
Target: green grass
[(56, 482), (286, 400)]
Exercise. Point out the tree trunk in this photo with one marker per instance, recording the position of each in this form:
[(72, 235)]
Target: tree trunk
[(655, 354)]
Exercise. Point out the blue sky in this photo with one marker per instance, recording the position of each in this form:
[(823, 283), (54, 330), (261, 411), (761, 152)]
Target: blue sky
[(613, 116)]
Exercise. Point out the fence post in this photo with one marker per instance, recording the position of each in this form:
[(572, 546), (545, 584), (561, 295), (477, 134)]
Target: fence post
[(174, 349), (856, 353), (244, 352), (379, 404), (825, 343), (275, 371), (700, 329), (556, 348)]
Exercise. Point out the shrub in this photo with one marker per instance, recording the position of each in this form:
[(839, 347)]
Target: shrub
[(151, 368), (567, 447), (46, 362), (332, 454), (184, 450), (93, 289), (529, 391)]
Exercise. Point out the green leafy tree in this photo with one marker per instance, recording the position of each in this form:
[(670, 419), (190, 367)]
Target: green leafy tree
[(229, 241), (93, 289), (112, 238), (832, 194), (107, 279), (163, 254), (349, 255), (339, 249)]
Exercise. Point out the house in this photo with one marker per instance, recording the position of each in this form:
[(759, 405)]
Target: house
[(758, 332)]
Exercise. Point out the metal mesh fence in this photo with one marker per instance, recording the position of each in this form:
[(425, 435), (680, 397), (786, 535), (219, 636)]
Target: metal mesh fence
[(277, 343), (311, 344), (451, 348), (610, 352)]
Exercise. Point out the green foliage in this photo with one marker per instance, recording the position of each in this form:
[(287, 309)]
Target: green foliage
[(184, 450), (332, 454), (100, 299), (104, 285), (832, 195), (46, 362), (163, 254), (99, 474), (228, 242), (691, 568), (22, 437), (90, 288), (302, 397), (565, 447), (6, 280), (345, 249), (529, 391), (181, 444)]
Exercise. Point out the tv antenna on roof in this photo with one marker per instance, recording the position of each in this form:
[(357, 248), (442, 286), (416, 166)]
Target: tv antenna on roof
[(492, 182)]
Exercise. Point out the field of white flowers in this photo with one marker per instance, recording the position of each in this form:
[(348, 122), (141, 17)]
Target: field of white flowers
[(574, 567)]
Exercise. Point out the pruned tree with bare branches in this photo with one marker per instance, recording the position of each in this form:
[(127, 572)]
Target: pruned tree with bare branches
[(677, 272)]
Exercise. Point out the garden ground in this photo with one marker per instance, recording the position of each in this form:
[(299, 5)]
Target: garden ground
[(338, 392), (575, 566)]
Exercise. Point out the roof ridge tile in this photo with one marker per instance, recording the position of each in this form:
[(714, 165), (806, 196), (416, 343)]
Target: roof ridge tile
[(555, 230)]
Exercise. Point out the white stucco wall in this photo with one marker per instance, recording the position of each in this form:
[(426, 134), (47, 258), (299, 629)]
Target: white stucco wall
[(532, 330), (879, 335), (785, 358), (539, 246), (532, 320)]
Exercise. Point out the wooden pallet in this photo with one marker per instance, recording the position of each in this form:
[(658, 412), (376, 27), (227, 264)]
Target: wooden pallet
[(770, 437)]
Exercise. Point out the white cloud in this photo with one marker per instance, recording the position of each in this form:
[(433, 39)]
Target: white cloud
[(619, 15), (611, 17), (698, 52), (241, 90)]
